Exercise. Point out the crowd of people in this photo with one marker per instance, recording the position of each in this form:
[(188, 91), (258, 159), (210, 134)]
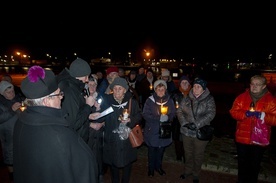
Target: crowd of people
[(76, 123)]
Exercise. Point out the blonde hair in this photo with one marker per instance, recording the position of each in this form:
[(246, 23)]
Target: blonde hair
[(259, 77)]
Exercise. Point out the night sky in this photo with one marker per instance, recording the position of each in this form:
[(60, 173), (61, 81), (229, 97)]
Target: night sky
[(219, 34)]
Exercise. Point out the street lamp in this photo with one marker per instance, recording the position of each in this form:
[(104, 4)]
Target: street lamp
[(20, 56)]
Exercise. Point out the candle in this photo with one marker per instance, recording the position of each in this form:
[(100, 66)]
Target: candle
[(252, 107), (164, 110), (176, 104), (150, 86), (22, 107), (125, 114)]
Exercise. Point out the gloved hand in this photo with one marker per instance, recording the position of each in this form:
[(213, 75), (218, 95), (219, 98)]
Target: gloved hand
[(257, 114), (190, 126), (164, 118)]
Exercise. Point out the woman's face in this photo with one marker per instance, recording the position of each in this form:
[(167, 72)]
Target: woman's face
[(9, 93), (119, 92), (160, 91), (92, 87), (197, 90), (257, 86), (184, 85)]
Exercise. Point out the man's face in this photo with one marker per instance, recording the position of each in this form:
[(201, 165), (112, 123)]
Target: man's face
[(84, 79), (9, 93)]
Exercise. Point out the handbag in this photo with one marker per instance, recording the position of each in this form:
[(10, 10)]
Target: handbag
[(259, 133), (165, 130), (136, 135), (205, 133)]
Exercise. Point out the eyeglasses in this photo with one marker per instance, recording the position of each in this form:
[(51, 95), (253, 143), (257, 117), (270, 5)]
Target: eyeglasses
[(59, 94), (256, 84)]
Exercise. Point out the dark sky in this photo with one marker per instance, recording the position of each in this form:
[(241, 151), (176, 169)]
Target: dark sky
[(208, 33)]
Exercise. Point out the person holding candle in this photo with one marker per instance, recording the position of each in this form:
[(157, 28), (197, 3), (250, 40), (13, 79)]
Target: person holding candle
[(118, 152), (255, 105), (10, 104), (145, 86), (158, 108), (181, 93), (96, 130), (194, 112)]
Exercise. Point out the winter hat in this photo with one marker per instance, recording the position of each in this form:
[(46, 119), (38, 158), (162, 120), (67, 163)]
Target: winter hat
[(150, 70), (4, 85), (201, 82), (79, 68), (119, 81), (158, 82), (112, 69), (133, 72), (165, 73), (184, 78), (39, 83)]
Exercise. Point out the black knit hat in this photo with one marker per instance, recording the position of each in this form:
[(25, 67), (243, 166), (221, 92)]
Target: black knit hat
[(119, 81), (39, 83), (79, 68), (201, 82)]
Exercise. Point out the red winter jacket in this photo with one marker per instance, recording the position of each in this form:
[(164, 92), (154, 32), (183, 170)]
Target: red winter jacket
[(241, 104)]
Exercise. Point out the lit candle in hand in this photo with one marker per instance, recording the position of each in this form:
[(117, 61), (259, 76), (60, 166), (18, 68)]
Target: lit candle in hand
[(164, 110), (150, 86), (252, 107), (125, 114), (22, 107)]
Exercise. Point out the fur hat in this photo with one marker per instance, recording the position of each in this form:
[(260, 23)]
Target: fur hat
[(39, 83), (4, 85), (201, 82), (119, 81), (158, 82), (79, 68), (112, 69)]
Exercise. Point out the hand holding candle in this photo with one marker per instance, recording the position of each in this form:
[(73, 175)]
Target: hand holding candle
[(22, 107), (125, 114)]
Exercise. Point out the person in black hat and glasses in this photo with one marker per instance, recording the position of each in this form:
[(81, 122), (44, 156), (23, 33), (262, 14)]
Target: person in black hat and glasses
[(77, 103), (195, 111), (45, 149)]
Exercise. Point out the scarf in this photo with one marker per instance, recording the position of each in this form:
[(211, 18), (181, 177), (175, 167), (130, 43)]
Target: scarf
[(257, 96)]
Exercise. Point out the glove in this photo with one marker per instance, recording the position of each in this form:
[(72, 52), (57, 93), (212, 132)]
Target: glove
[(190, 126), (164, 118), (257, 114)]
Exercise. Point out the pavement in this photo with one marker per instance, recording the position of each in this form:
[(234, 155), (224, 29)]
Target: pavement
[(220, 165)]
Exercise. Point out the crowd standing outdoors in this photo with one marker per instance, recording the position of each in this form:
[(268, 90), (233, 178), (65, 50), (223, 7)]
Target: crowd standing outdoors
[(66, 124)]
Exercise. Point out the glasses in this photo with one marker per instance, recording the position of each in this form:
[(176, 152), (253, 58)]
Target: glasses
[(59, 94), (256, 84)]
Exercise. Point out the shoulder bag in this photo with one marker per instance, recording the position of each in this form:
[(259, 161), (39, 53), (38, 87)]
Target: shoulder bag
[(205, 133), (135, 136)]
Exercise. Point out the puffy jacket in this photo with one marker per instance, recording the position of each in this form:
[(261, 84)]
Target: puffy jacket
[(201, 111), (241, 104)]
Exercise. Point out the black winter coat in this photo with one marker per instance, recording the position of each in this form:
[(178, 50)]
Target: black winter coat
[(73, 103), (119, 152), (47, 151)]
